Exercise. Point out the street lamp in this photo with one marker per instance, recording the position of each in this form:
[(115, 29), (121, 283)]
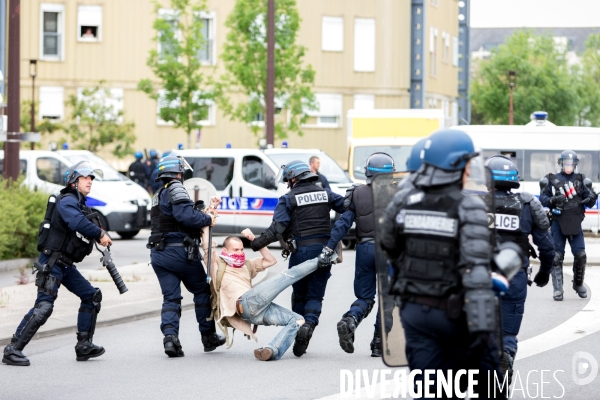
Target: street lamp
[(512, 82), (32, 73)]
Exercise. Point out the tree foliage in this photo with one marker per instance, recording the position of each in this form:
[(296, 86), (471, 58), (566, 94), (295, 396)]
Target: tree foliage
[(42, 126), (245, 58), (544, 82), (181, 93), (96, 123), (588, 89)]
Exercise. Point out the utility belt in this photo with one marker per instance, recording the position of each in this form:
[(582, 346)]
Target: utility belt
[(366, 240), (192, 246), (308, 242), (452, 305)]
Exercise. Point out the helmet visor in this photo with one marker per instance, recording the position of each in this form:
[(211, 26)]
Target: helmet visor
[(86, 169), (279, 176), (185, 165), (478, 176), (568, 165)]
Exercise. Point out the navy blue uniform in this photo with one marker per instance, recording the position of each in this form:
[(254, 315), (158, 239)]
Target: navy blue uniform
[(308, 293), (324, 181), (172, 267), (70, 211)]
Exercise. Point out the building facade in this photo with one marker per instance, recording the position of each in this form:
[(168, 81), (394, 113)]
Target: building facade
[(360, 50)]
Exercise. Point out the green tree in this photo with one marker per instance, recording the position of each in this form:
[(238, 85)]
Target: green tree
[(42, 126), (96, 123), (181, 94), (245, 58), (588, 89), (544, 82)]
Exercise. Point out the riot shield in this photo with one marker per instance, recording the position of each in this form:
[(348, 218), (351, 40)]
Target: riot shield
[(385, 187)]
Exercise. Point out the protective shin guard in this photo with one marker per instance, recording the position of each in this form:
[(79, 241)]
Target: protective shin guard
[(303, 338), (173, 347), (579, 264), (346, 328), (41, 313), (557, 276), (85, 349)]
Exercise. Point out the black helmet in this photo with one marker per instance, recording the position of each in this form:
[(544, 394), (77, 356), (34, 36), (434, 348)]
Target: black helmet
[(297, 169), (565, 157), (82, 168), (171, 166), (378, 163), (504, 172)]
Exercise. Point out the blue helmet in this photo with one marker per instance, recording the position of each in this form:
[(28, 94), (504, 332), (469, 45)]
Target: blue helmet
[(138, 155), (379, 163), (504, 172), (449, 149), (82, 168), (414, 162), (297, 169), (171, 167), (153, 153)]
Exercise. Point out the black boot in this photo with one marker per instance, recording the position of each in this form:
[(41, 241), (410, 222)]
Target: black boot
[(13, 355), (172, 346), (303, 338), (579, 264), (346, 328), (212, 341), (376, 345), (85, 349)]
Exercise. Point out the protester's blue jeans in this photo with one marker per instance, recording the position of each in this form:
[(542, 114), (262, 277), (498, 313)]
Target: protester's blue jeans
[(259, 308)]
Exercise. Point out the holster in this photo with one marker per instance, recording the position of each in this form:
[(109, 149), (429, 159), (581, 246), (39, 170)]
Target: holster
[(192, 248), (43, 280), (156, 241), (454, 305)]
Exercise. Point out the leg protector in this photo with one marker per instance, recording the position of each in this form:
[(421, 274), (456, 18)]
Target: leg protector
[(346, 328), (557, 276), (506, 366), (579, 265), (303, 338), (173, 347), (85, 349), (96, 300), (41, 313), (376, 345), (365, 306)]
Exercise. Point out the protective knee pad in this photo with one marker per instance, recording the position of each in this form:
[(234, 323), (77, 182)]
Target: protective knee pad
[(41, 313), (558, 259), (97, 299)]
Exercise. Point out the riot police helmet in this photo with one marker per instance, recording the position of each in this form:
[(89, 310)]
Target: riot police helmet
[(568, 161), (379, 163), (82, 168), (171, 167), (299, 170), (414, 161), (505, 174), (138, 155), (153, 153)]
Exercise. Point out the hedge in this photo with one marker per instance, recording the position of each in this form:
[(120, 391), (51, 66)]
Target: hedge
[(21, 212)]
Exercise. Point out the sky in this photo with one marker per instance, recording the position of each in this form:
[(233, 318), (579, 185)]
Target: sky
[(534, 13)]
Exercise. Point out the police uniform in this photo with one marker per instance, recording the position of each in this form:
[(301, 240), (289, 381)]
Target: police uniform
[(138, 172), (303, 214), (568, 213), (68, 240), (174, 243)]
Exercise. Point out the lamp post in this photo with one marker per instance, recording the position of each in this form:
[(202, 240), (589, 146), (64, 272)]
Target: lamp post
[(512, 82), (32, 73)]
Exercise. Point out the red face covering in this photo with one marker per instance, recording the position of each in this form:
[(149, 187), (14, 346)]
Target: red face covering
[(232, 259)]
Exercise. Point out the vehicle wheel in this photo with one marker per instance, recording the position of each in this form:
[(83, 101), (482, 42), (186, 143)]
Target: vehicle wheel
[(128, 234), (349, 244)]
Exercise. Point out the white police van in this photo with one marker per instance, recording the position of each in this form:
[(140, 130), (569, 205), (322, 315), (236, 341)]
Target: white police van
[(123, 205), (535, 149), (245, 179)]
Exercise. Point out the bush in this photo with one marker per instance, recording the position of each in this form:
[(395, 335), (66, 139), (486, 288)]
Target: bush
[(22, 211)]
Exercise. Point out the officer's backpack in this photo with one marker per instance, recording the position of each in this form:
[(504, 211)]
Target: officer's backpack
[(44, 230)]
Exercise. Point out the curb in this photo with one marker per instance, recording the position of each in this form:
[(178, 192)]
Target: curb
[(9, 265)]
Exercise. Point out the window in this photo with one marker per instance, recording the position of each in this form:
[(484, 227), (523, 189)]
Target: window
[(446, 48), (435, 3), (163, 102), (166, 43), (52, 104), (455, 52), (113, 101), (52, 38), (364, 45), (254, 171), (22, 167), (207, 53), (332, 34), (538, 163), (216, 170), (361, 153), (50, 170), (364, 102), (89, 23), (329, 114), (433, 55)]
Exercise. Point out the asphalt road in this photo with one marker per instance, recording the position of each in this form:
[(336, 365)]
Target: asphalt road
[(135, 366)]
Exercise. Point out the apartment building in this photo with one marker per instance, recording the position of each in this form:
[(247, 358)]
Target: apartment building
[(360, 50)]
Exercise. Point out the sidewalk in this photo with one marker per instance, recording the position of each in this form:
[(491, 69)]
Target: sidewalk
[(143, 300)]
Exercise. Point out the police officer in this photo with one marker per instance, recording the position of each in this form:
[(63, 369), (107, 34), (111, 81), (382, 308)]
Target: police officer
[(566, 194), (69, 240), (174, 240), (358, 203), (518, 215), (301, 217), (138, 171), (439, 244), (151, 172)]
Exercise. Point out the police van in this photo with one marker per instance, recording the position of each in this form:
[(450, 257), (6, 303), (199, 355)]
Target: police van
[(123, 206), (245, 179), (535, 148)]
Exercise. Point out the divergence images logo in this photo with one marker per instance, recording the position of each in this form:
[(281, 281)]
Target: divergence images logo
[(584, 367)]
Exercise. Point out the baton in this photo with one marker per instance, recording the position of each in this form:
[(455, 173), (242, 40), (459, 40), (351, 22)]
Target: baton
[(209, 257)]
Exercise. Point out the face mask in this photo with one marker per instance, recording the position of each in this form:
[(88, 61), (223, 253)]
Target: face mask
[(232, 259)]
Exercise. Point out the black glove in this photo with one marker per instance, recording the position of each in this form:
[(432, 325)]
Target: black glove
[(558, 201), (593, 197), (326, 257), (541, 278)]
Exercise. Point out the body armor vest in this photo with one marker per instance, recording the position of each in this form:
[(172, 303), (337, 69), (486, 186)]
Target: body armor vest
[(430, 226), (161, 223), (573, 211), (362, 198), (70, 244), (508, 220), (310, 210)]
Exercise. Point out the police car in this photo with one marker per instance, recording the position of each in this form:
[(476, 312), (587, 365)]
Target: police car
[(535, 149)]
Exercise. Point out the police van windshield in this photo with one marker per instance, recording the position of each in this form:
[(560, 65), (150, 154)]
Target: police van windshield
[(332, 171), (361, 153), (110, 174)]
